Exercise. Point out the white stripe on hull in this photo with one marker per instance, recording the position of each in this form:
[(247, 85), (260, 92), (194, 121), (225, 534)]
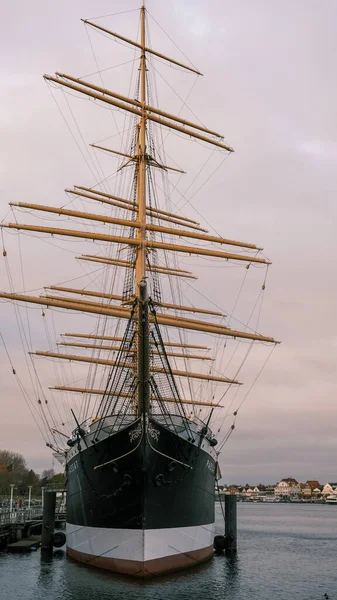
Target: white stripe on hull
[(138, 544)]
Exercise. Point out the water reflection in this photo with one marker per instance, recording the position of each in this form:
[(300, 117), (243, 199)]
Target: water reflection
[(218, 576), (231, 581), (84, 582), (281, 549), (46, 570)]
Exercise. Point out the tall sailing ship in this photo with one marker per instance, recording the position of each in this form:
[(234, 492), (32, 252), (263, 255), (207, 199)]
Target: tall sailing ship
[(141, 467)]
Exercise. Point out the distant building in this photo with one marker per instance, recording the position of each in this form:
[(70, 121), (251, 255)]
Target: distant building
[(327, 490), (306, 489), (287, 487), (313, 483), (311, 487)]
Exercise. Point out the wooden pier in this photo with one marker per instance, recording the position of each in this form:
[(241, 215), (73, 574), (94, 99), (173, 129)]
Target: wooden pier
[(22, 526), (25, 545)]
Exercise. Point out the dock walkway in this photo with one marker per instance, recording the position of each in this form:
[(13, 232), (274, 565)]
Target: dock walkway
[(17, 527), (26, 545)]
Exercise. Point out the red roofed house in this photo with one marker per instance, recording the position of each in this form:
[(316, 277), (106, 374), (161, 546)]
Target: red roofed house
[(287, 487)]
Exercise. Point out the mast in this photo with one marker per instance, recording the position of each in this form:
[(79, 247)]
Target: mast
[(142, 338), (141, 167), (143, 351)]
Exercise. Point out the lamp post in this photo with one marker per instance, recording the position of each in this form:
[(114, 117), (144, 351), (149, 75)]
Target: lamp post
[(42, 493), (11, 499), (29, 494)]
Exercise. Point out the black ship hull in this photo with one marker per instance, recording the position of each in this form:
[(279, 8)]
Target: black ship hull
[(141, 500)]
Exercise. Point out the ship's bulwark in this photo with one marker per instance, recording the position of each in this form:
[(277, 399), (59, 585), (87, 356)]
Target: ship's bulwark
[(143, 513)]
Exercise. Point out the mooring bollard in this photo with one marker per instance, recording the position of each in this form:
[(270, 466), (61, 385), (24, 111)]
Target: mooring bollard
[(48, 521), (230, 523)]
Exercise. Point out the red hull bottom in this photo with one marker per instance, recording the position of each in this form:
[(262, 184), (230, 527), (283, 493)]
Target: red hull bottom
[(150, 568)]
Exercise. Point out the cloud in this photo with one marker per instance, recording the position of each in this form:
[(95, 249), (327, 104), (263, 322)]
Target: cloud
[(319, 150), (270, 87), (194, 19)]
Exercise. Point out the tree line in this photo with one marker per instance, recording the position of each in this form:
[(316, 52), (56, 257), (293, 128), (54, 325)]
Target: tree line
[(13, 470)]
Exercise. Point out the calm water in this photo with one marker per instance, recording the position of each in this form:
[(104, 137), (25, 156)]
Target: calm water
[(285, 552)]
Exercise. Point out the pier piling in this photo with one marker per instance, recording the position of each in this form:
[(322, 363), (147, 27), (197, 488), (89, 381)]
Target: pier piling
[(48, 521), (230, 523)]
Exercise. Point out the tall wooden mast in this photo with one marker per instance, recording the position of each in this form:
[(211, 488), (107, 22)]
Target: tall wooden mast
[(142, 338), (141, 167)]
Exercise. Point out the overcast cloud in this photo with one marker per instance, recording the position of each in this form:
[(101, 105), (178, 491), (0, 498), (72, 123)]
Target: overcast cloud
[(270, 86)]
